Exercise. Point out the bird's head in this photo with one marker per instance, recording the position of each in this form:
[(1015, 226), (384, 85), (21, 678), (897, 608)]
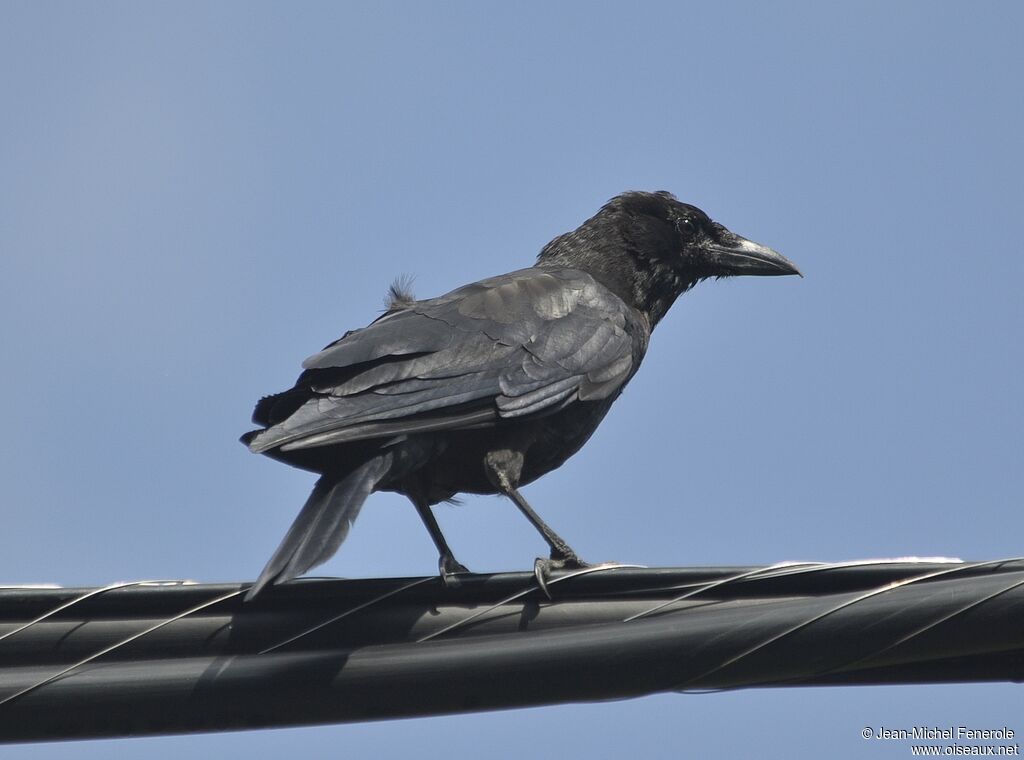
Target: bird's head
[(649, 249)]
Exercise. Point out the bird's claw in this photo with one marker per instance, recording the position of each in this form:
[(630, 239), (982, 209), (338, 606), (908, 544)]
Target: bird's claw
[(450, 568), (542, 568)]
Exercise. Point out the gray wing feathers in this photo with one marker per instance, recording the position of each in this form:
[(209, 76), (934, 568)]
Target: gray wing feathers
[(387, 336), (464, 420), (520, 344), (591, 358)]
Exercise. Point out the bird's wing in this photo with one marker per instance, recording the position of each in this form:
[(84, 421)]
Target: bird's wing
[(521, 344)]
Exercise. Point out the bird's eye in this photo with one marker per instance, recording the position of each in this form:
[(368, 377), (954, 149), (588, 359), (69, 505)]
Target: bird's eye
[(686, 226)]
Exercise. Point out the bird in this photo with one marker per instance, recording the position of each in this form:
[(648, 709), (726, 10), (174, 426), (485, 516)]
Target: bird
[(487, 388)]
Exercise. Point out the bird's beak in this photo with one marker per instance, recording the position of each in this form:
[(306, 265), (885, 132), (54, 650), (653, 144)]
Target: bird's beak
[(734, 255)]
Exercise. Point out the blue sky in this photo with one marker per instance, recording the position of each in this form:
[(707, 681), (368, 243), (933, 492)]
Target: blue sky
[(196, 196)]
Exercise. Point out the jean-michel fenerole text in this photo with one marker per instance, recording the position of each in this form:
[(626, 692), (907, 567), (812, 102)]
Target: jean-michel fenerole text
[(944, 732)]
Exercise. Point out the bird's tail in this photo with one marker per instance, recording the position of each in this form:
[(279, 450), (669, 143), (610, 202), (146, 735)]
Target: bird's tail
[(323, 523)]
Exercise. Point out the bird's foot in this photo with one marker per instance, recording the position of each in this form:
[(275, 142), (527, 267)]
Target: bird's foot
[(450, 568), (542, 568)]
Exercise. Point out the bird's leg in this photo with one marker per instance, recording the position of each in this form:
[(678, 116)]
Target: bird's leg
[(562, 554), (446, 563), (503, 469)]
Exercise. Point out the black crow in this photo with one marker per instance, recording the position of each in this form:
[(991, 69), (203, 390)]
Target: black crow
[(491, 386)]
